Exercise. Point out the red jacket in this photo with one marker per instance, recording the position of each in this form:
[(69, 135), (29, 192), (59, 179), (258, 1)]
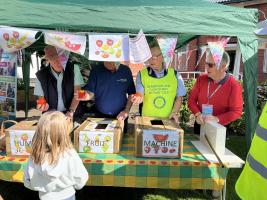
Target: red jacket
[(227, 101)]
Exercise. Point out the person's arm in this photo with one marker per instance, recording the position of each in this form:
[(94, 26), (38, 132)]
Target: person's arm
[(130, 91), (193, 98), (89, 88), (181, 91), (38, 91), (79, 173), (78, 82), (176, 109), (139, 89), (235, 105), (192, 102)]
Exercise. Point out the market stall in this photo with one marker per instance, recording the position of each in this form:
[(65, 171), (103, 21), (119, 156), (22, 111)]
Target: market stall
[(185, 18)]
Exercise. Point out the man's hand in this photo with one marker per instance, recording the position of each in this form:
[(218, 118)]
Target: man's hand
[(137, 98), (122, 115), (174, 117), (84, 97), (42, 107)]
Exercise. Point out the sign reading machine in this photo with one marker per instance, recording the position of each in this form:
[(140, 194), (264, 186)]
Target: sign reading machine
[(160, 143)]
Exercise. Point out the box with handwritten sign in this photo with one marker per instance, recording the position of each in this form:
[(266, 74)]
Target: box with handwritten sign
[(99, 135), (19, 138), (156, 137)]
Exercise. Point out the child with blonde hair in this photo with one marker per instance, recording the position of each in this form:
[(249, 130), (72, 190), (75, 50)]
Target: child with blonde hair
[(54, 169)]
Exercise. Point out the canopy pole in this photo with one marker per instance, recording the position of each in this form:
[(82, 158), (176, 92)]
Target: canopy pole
[(26, 78), (249, 50)]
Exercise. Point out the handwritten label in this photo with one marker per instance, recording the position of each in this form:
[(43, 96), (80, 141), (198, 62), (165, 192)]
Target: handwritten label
[(21, 141), (160, 143)]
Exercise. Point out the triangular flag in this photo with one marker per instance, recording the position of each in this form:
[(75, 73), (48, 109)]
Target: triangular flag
[(216, 46), (63, 56), (167, 45), (14, 39), (70, 42)]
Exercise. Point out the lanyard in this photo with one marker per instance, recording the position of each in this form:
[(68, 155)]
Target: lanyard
[(208, 92)]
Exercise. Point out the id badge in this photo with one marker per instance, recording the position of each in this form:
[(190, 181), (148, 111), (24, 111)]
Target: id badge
[(207, 109)]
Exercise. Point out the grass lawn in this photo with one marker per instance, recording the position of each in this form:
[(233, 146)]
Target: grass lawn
[(16, 191)]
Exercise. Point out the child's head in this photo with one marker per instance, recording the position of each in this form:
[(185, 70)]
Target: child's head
[(51, 137)]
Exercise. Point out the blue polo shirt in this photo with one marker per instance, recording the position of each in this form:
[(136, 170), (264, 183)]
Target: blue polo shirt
[(110, 88)]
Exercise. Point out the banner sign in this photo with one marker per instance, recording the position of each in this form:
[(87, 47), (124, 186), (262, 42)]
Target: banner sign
[(13, 39), (111, 47), (70, 42)]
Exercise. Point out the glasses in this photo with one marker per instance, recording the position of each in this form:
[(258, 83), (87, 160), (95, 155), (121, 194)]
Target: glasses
[(210, 65), (156, 56)]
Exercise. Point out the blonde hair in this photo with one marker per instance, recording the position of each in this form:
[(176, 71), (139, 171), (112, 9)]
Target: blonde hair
[(51, 138)]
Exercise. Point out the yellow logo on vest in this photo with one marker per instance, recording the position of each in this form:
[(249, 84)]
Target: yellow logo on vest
[(159, 102)]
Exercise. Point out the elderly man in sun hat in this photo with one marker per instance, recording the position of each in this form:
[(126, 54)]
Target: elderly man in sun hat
[(56, 84)]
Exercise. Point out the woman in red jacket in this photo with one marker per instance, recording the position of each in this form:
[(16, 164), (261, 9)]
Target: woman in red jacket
[(216, 95)]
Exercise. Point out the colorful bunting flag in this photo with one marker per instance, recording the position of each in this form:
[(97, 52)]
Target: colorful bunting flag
[(216, 46), (70, 42), (167, 45), (108, 47), (14, 39)]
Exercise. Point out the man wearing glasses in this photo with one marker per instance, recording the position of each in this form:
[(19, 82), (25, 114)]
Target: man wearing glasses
[(57, 84), (160, 89), (216, 95)]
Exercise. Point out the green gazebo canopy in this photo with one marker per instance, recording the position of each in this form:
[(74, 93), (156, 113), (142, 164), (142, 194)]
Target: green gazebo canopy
[(187, 18)]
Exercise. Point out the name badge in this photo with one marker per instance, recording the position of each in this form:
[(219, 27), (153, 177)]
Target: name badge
[(207, 109)]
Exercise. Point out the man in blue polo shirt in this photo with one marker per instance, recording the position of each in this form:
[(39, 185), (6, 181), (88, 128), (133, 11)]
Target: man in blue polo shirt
[(111, 86)]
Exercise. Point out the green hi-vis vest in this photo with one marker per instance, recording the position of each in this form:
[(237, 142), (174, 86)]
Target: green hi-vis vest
[(252, 183), (159, 94)]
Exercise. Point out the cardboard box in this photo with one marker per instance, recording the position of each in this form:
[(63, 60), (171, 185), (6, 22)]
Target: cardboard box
[(155, 137), (99, 135), (19, 138)]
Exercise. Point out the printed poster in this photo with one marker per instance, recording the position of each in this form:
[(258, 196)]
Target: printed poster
[(21, 141), (160, 143), (8, 85), (139, 49), (70, 42), (111, 47), (96, 142), (13, 39)]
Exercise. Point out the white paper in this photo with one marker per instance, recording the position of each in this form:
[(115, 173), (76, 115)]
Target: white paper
[(139, 49), (70, 42), (96, 142), (112, 47), (21, 141), (160, 143)]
